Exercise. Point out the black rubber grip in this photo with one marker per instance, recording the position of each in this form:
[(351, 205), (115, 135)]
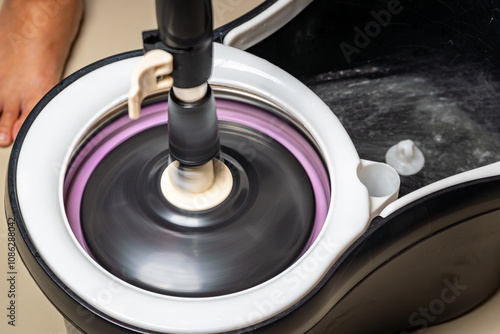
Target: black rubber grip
[(193, 130)]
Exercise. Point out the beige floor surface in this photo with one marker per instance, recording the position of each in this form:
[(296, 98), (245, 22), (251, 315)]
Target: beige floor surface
[(111, 27)]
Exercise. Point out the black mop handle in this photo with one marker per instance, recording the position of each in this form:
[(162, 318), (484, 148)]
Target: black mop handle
[(186, 28)]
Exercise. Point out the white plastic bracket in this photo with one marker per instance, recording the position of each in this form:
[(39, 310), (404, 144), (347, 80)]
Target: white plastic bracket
[(151, 75)]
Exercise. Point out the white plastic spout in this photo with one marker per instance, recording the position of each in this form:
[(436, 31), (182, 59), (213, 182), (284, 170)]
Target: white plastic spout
[(382, 183)]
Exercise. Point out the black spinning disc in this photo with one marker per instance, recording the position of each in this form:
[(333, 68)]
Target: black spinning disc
[(256, 233)]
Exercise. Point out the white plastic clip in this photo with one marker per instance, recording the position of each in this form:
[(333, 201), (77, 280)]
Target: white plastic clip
[(151, 75)]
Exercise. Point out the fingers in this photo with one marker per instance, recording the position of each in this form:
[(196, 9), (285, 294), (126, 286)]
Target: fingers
[(10, 114)]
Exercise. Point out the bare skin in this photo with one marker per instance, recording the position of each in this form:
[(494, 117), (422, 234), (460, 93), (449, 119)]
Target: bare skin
[(35, 40)]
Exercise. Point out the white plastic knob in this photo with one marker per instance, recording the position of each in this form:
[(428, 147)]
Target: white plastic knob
[(405, 157)]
